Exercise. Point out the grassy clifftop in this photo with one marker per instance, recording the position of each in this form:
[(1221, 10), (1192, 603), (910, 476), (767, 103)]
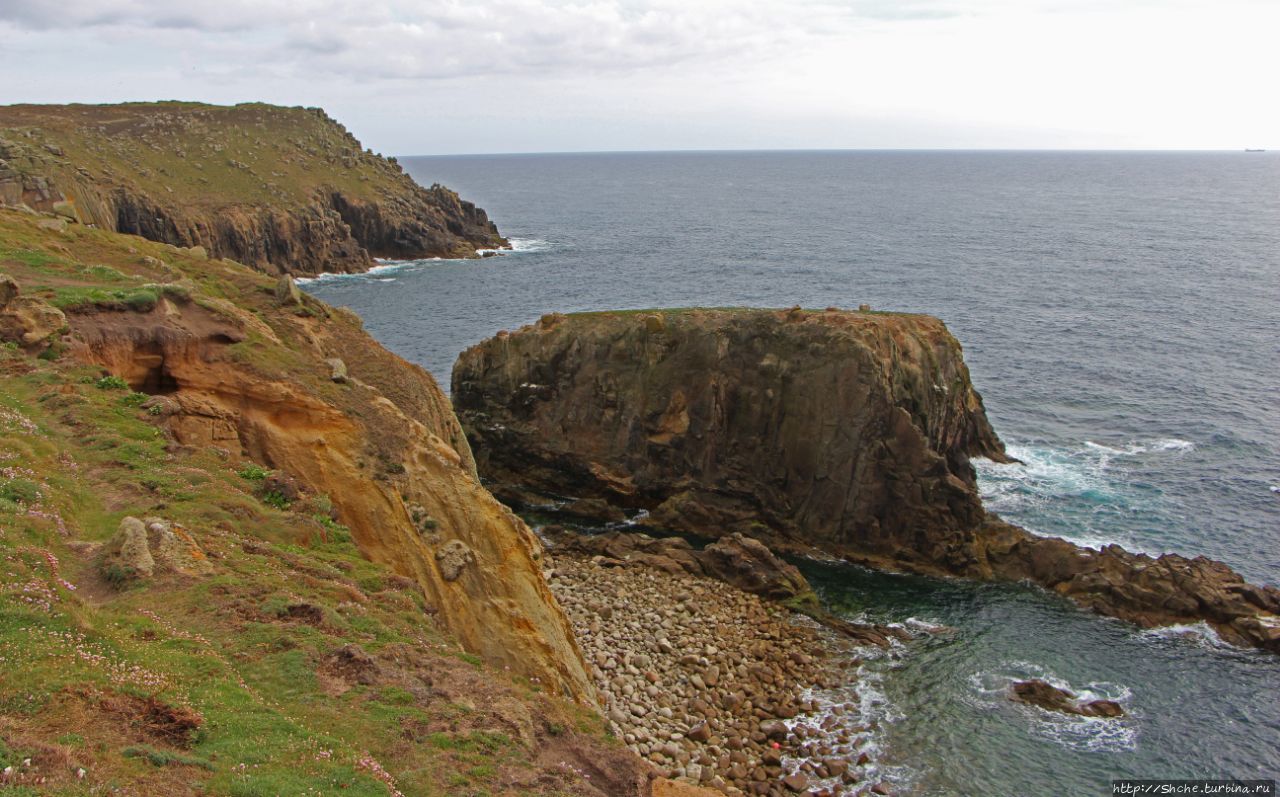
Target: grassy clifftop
[(283, 189), (314, 645)]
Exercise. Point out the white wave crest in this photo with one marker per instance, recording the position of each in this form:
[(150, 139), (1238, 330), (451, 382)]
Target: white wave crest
[(1201, 634)]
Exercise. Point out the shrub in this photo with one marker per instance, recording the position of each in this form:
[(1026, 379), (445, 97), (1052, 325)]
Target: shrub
[(275, 498), (134, 399), (112, 383), (141, 301), (254, 473)]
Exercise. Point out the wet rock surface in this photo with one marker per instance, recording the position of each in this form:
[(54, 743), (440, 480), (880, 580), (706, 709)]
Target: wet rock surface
[(713, 685)]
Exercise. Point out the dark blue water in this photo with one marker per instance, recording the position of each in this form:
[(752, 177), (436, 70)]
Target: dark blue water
[(1120, 314)]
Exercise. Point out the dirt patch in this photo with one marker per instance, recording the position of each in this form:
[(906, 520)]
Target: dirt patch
[(157, 720), (305, 613)]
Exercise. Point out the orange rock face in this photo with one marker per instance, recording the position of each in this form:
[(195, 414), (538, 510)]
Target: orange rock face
[(384, 446)]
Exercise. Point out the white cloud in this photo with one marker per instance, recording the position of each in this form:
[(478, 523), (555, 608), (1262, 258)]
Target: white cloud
[(619, 73)]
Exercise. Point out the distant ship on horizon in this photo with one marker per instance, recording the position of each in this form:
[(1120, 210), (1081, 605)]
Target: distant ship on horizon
[(1246, 149)]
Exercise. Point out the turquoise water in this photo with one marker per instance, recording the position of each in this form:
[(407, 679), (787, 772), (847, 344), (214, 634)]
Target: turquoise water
[(1119, 313)]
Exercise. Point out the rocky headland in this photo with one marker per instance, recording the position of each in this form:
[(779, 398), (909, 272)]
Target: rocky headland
[(846, 432), (285, 190)]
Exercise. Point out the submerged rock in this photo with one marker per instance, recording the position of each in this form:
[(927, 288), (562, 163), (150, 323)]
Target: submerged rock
[(847, 432)]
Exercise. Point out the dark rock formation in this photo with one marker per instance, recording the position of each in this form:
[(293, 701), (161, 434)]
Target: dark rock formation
[(286, 190), (1040, 693), (848, 432)]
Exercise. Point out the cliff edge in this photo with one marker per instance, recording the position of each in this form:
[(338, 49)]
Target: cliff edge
[(848, 432), (285, 190)]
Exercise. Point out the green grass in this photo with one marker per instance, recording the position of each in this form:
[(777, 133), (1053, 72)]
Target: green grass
[(166, 758)]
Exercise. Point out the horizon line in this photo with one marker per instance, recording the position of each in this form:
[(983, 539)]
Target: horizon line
[(750, 150)]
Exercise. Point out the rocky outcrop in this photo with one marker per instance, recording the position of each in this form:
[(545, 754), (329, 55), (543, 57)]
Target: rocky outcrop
[(281, 189), (1045, 695), (850, 432), (26, 320), (139, 548)]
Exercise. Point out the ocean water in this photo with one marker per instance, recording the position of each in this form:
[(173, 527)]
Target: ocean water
[(1120, 314)]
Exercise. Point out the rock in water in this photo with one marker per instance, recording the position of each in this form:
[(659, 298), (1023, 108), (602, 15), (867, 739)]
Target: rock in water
[(848, 432), (1037, 692)]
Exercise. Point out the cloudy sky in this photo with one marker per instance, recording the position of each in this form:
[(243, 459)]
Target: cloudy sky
[(453, 76)]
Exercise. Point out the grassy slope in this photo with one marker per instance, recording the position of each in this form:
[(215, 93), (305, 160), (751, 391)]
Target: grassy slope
[(208, 156), (94, 672)]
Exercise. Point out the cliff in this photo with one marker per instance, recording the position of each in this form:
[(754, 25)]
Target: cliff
[(245, 546), (848, 432), (285, 190)]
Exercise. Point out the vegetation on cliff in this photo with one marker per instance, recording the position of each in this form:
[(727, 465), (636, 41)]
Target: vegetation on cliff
[(281, 189), (300, 608)]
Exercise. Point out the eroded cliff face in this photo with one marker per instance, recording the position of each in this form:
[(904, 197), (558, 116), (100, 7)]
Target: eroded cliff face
[(286, 190), (852, 431), (399, 474), (849, 432), (237, 366)]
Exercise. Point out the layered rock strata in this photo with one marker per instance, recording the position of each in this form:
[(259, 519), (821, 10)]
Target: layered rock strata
[(282, 189), (850, 432)]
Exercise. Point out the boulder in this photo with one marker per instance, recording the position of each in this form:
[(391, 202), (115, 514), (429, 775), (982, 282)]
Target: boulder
[(337, 370), (174, 549), (748, 565), (452, 558), (65, 209), (27, 320), (140, 548), (287, 291), (127, 554)]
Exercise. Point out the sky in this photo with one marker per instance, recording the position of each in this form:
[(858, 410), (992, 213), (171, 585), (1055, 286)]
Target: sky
[(416, 77)]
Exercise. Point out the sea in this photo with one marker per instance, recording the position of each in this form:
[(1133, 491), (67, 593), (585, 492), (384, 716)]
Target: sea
[(1120, 314)]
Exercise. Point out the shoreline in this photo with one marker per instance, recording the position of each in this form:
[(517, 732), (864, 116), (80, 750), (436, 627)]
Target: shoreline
[(719, 687)]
